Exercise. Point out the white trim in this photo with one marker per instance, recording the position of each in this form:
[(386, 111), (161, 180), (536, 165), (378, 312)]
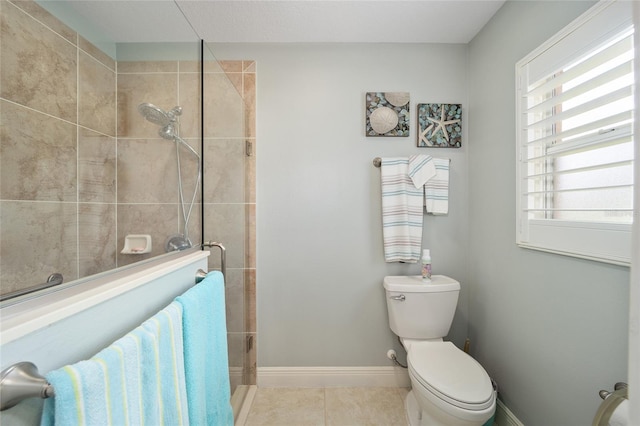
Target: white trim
[(319, 377), (504, 416), (634, 287)]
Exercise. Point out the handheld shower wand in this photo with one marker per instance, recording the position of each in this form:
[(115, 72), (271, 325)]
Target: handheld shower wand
[(169, 129)]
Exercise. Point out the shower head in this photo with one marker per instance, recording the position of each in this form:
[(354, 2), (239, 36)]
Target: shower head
[(157, 116), (153, 114)]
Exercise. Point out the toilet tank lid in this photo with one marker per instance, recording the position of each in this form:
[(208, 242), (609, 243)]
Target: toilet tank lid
[(414, 284)]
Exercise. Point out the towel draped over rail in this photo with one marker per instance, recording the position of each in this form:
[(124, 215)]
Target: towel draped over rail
[(172, 370)]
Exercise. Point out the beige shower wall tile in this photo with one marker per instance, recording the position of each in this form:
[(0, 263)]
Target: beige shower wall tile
[(37, 156), (231, 66), (250, 236), (250, 360), (234, 298), (249, 66), (190, 119), (147, 171), (195, 224), (147, 67), (134, 89), (212, 65), (250, 300), (236, 348), (95, 52), (250, 174), (38, 67), (225, 223), (224, 108), (224, 165), (96, 96), (42, 15), (249, 94), (158, 220), (96, 167), (36, 240), (96, 238), (189, 67)]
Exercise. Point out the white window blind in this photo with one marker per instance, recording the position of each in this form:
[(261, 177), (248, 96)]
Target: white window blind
[(575, 138)]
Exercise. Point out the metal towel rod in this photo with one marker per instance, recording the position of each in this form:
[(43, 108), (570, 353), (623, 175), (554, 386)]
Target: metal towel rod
[(223, 256), (377, 162), (23, 380)]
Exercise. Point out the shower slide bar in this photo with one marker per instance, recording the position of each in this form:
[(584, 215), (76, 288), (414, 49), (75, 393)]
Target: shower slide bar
[(22, 380)]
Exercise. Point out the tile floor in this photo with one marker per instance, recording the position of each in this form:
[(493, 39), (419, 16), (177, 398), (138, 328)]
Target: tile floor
[(328, 406)]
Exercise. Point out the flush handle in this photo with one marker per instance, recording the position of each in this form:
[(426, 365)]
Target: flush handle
[(399, 297)]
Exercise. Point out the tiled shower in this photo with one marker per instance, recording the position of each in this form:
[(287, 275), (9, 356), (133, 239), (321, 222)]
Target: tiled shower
[(80, 169)]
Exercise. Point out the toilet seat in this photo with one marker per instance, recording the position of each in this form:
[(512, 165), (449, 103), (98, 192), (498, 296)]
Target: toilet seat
[(450, 375)]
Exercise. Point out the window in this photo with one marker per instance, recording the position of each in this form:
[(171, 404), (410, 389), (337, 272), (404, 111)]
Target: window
[(575, 148)]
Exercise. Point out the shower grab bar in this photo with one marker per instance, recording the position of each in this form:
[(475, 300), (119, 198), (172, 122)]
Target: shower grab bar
[(23, 380), (53, 280), (223, 256)]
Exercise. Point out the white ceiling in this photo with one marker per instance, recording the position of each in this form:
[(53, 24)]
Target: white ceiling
[(378, 21)]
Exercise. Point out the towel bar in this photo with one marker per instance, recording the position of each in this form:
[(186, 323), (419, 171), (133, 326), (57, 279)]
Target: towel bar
[(22, 381), (223, 256), (377, 162)]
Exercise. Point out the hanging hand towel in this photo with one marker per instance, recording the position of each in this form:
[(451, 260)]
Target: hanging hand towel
[(139, 379), (437, 189), (421, 169), (205, 352), (402, 210)]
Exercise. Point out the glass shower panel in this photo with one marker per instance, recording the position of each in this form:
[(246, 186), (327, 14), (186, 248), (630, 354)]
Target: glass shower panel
[(229, 201), (80, 167)]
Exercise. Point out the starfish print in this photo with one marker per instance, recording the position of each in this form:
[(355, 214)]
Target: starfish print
[(441, 124), (423, 135)]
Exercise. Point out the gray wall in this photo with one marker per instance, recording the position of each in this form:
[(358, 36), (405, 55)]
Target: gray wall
[(319, 238), (552, 330)]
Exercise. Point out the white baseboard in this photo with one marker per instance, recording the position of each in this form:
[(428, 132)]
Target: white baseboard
[(504, 417), (319, 377)]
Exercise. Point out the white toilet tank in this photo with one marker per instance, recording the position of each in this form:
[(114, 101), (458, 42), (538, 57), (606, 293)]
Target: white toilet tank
[(419, 310)]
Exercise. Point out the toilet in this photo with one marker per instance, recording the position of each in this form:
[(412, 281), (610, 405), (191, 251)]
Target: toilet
[(448, 387)]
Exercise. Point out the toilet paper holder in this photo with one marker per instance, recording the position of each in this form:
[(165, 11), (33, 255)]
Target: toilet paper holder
[(612, 401), (620, 385)]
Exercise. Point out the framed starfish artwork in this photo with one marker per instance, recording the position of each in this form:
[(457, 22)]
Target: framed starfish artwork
[(387, 114), (440, 125)]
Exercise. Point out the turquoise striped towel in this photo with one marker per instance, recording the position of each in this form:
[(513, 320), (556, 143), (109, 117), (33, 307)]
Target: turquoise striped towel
[(205, 352), (402, 212), (139, 379), (436, 189)]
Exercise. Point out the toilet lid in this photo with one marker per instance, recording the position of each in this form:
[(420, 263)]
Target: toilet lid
[(450, 374)]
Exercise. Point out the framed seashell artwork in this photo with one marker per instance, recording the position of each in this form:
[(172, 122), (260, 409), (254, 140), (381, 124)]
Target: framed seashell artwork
[(440, 125), (387, 114)]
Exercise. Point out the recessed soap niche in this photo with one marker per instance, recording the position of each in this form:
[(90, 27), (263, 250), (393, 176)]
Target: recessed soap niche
[(137, 244)]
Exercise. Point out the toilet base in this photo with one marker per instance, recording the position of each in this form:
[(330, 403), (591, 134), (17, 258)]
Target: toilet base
[(412, 409), (418, 417)]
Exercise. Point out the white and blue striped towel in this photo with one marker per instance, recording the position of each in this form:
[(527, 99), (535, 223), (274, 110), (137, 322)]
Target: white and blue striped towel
[(437, 189), (139, 379), (402, 212), (421, 169)]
